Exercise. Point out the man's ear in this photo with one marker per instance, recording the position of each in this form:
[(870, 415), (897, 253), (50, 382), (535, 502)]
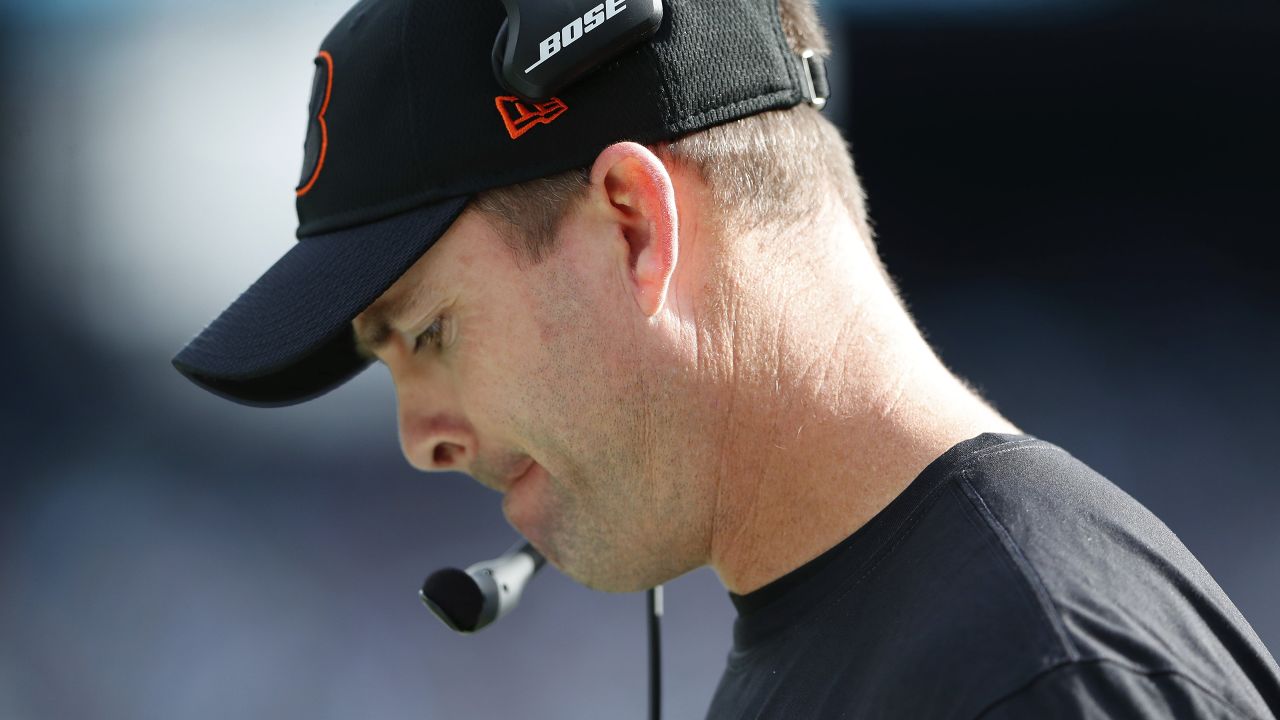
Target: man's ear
[(636, 193)]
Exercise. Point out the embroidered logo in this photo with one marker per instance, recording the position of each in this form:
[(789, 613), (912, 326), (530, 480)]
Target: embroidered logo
[(520, 117), (317, 129)]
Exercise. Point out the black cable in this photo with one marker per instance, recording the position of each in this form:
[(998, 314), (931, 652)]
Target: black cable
[(654, 613)]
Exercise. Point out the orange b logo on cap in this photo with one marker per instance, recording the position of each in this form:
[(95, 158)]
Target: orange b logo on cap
[(317, 129)]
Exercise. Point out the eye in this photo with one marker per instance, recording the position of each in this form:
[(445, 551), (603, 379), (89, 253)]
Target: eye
[(433, 336)]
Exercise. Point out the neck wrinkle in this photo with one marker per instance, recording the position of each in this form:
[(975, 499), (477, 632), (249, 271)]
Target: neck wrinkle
[(825, 422)]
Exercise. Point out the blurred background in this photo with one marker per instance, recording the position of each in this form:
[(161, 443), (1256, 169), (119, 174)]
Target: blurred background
[(1078, 197)]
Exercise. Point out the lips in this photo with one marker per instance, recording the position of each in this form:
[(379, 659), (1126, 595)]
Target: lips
[(522, 471), (524, 503)]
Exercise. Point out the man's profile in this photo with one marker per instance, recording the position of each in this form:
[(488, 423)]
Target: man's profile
[(650, 312)]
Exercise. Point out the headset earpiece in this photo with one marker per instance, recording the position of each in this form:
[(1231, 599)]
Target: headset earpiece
[(542, 48)]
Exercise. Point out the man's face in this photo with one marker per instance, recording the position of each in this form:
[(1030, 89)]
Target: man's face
[(538, 381)]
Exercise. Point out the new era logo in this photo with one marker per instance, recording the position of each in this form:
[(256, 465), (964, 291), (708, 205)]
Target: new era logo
[(520, 117)]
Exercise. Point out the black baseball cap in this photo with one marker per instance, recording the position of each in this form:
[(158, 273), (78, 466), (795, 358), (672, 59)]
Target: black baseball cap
[(409, 119)]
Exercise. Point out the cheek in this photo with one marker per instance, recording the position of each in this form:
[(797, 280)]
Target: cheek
[(550, 361), (497, 365), (581, 319)]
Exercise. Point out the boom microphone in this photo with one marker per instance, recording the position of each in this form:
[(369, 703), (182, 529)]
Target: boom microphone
[(472, 599)]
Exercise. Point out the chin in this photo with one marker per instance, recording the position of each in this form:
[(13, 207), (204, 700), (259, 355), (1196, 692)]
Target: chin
[(611, 584), (618, 576)]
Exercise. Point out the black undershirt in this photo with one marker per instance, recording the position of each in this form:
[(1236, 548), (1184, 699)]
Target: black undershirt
[(1007, 581)]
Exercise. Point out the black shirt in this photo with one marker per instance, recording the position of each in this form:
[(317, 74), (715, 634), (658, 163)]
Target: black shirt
[(1007, 581)]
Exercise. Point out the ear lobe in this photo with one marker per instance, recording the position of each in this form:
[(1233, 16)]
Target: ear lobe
[(641, 200)]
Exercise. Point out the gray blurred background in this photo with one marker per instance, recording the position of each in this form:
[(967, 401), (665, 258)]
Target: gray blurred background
[(1079, 200)]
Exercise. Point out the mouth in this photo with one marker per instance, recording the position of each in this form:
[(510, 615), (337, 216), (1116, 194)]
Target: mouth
[(523, 470), (524, 502)]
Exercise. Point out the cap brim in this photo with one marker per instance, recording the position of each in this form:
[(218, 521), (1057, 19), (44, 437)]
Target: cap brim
[(288, 338)]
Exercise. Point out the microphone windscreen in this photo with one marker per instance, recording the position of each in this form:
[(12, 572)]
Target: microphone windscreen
[(455, 598)]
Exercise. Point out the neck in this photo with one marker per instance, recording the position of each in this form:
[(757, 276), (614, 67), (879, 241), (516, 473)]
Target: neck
[(831, 423)]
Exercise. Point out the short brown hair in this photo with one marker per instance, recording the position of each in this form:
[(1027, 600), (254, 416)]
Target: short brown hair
[(763, 166)]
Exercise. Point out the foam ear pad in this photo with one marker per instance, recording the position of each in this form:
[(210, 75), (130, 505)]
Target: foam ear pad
[(499, 53), (454, 597)]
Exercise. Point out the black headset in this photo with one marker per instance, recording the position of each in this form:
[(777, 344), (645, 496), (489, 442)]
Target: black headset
[(545, 45)]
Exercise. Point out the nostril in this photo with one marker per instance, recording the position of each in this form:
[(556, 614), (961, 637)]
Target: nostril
[(446, 453)]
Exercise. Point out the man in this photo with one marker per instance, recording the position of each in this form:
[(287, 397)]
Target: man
[(648, 311)]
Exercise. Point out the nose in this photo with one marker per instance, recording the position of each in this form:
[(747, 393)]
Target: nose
[(435, 440), (435, 435)]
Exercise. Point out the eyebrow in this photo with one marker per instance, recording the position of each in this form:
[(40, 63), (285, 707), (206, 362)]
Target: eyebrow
[(378, 319)]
